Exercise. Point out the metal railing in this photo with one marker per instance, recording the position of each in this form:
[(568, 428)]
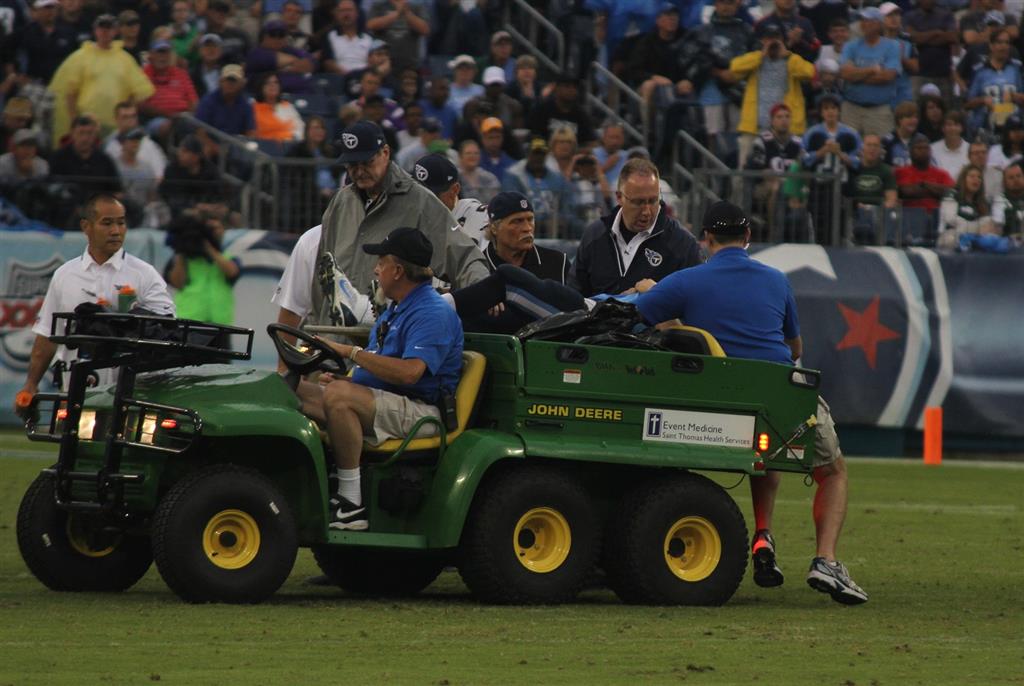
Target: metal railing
[(251, 172), (614, 108), (792, 207), (529, 28)]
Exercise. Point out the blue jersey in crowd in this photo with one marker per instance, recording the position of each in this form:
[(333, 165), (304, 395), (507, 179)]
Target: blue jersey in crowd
[(902, 91), (746, 305), (424, 327), (1000, 85), (886, 52)]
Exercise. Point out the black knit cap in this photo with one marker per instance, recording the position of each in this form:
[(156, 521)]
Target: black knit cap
[(724, 218)]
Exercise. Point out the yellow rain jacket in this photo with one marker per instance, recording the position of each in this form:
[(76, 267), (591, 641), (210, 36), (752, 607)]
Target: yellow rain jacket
[(748, 67), (101, 78)]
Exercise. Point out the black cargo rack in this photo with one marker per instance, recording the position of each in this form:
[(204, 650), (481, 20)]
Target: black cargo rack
[(132, 343)]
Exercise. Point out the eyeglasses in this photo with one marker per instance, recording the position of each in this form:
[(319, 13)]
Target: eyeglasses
[(642, 202)]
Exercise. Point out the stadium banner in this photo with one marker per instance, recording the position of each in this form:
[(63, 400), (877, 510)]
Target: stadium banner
[(893, 331)]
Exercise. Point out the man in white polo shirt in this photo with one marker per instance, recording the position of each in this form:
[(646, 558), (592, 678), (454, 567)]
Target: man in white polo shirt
[(97, 275)]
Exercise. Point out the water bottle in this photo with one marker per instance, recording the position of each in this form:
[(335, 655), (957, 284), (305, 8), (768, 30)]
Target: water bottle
[(125, 298)]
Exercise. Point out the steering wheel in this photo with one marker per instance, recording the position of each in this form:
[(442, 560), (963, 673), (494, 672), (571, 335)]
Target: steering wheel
[(311, 355)]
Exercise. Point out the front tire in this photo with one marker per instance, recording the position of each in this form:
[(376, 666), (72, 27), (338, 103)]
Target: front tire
[(679, 540), (75, 552), (224, 534), (532, 537)]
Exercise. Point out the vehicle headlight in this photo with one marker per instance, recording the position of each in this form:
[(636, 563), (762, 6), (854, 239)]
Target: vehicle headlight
[(148, 429), (86, 425)]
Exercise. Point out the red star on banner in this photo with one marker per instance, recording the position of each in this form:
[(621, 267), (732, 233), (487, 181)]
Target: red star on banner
[(864, 331)]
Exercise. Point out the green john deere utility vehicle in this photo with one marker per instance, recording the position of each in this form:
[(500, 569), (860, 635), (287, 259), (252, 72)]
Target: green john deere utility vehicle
[(566, 457)]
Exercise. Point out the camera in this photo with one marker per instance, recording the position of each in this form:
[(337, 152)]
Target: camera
[(189, 234)]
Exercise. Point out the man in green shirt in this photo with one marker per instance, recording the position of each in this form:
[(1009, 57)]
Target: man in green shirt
[(872, 188), (203, 275), (1008, 208)]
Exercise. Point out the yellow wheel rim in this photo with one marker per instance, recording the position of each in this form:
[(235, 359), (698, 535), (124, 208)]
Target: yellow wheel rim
[(79, 539), (231, 539), (542, 540), (692, 548)]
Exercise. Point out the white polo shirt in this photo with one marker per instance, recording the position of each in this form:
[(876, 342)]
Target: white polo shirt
[(81, 280), (627, 251), (293, 291), (349, 52)]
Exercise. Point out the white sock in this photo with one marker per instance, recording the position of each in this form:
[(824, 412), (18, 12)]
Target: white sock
[(348, 485)]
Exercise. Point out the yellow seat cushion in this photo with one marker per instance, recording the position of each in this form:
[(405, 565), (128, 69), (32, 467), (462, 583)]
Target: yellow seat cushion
[(473, 366), (713, 345)]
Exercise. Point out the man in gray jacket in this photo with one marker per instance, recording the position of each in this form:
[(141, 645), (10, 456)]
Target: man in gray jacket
[(380, 198)]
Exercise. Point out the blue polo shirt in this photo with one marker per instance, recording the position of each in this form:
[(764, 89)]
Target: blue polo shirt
[(424, 327), (745, 304), (885, 52), (234, 119)]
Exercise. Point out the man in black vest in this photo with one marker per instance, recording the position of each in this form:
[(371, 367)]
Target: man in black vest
[(637, 241)]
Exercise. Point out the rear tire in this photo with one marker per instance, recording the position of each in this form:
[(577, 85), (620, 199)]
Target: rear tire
[(224, 534), (373, 572), (532, 537), (73, 552), (679, 540)]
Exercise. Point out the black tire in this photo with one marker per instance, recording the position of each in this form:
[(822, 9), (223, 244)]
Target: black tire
[(531, 537), (646, 566), (73, 552), (224, 534), (368, 571)]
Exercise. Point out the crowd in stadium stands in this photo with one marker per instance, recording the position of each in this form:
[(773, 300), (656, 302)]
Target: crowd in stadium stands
[(914, 106)]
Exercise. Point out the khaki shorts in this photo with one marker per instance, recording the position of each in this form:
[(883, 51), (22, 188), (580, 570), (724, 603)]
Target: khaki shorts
[(395, 416), (826, 441)]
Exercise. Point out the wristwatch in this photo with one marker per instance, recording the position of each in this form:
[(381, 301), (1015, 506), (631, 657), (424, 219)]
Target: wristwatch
[(352, 353)]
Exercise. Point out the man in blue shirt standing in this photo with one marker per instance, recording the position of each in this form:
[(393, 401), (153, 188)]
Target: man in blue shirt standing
[(749, 307), (869, 67), (412, 361)]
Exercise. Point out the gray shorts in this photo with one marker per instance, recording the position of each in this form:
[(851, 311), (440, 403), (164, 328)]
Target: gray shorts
[(826, 441), (395, 415)]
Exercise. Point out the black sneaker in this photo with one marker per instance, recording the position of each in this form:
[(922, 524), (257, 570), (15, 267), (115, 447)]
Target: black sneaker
[(834, 579), (766, 571), (347, 515)]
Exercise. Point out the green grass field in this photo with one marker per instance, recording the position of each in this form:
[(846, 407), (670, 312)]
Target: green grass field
[(939, 550)]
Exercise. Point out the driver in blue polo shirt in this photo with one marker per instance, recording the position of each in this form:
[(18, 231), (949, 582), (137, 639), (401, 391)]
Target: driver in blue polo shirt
[(749, 307), (412, 360)]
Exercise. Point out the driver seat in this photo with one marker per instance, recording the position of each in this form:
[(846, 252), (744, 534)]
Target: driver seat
[(474, 365), (690, 339)]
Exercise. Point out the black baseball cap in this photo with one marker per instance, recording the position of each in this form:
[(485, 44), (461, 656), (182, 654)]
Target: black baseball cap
[(506, 203), (724, 218), (435, 172), (407, 243), (768, 28), (360, 142)]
